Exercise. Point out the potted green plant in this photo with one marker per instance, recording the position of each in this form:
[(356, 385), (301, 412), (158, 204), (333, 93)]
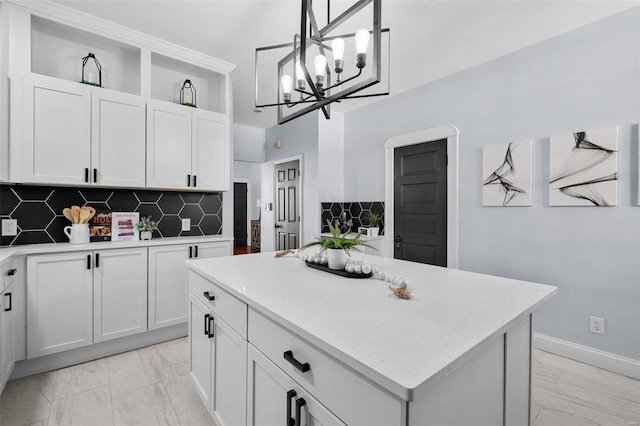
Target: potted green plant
[(338, 246), (146, 227), (374, 224)]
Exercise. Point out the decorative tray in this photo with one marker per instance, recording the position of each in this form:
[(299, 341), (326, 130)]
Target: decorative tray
[(342, 273)]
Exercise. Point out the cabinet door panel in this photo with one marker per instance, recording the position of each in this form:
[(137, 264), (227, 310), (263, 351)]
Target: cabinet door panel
[(57, 131), (229, 392), (200, 351), (59, 303), (118, 139), (120, 293), (267, 388), (168, 145), (168, 287), (210, 161), (218, 249), (6, 345)]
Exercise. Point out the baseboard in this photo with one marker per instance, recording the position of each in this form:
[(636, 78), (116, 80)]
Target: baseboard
[(595, 357)]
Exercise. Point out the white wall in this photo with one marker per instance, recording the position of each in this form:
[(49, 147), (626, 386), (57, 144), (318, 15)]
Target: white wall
[(331, 158), (248, 143), (586, 79), (253, 173)]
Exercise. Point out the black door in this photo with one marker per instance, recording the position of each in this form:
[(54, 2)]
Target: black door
[(287, 216), (420, 197), (239, 214)]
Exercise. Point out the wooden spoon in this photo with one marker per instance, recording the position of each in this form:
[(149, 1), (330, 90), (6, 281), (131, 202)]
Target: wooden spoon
[(67, 213), (75, 213), (92, 213), (84, 214)]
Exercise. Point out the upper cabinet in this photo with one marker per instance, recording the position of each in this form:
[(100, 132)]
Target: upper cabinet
[(131, 130)]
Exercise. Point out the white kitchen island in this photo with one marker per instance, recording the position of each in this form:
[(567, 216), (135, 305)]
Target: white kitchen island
[(275, 342)]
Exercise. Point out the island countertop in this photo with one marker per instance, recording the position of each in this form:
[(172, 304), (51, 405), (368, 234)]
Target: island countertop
[(406, 346)]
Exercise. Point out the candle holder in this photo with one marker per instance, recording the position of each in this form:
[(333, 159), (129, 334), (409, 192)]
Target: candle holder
[(188, 94), (91, 77)]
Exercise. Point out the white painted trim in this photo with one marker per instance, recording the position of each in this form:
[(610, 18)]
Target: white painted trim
[(450, 133), (595, 357), (249, 207), (93, 24), (300, 203)]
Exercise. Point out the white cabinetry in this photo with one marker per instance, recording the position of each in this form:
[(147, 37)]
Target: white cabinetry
[(168, 287), (187, 148), (76, 299), (76, 134), (218, 350), (6, 336)]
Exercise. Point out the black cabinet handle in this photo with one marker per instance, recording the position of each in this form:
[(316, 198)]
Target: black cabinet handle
[(86, 174), (196, 248), (194, 180), (88, 261), (97, 260), (304, 367), (188, 180), (290, 395), (10, 304), (210, 327), (12, 272), (209, 297), (206, 324), (190, 252), (300, 402), (95, 175)]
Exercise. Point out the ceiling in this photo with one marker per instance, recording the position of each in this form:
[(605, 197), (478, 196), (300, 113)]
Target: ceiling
[(429, 39)]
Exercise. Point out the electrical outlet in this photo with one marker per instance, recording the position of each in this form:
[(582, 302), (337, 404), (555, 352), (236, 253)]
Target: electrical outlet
[(186, 224), (9, 227), (596, 325)]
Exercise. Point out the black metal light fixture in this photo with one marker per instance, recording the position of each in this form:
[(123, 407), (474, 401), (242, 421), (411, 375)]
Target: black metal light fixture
[(90, 77), (321, 91), (188, 94)]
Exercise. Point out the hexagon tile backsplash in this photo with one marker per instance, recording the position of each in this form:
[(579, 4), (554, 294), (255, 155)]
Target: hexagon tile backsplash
[(38, 210), (357, 211)]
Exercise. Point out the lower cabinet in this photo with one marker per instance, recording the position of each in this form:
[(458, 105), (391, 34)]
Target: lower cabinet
[(217, 365), (273, 398), (168, 286), (76, 299), (6, 336)]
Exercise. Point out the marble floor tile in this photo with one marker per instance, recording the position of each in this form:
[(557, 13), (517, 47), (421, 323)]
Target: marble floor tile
[(92, 407), (179, 387), (24, 401), (170, 353), (198, 416), (132, 370), (80, 378), (149, 406)]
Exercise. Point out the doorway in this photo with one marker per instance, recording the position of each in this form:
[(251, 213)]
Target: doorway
[(450, 135), (288, 196), (240, 214)]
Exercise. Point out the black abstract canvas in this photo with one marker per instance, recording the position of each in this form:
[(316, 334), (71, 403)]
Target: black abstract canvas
[(506, 175)]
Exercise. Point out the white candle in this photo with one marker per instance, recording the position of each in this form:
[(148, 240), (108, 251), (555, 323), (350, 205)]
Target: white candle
[(187, 97), (91, 78)]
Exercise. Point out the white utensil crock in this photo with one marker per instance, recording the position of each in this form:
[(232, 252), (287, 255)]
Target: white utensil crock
[(78, 233)]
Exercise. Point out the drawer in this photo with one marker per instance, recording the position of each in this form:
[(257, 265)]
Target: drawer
[(229, 308), (350, 396)]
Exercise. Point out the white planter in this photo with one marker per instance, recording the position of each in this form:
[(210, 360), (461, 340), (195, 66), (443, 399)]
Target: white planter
[(337, 259), (374, 232), (145, 235)]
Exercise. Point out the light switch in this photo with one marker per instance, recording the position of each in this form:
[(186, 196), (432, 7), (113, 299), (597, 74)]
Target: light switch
[(186, 224)]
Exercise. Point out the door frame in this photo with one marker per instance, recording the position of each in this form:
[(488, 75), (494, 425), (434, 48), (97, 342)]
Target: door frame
[(248, 182), (450, 133), (300, 204)]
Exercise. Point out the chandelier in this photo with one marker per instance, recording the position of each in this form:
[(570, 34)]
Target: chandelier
[(300, 75)]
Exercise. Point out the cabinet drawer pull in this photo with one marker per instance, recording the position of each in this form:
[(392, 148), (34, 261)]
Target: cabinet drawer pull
[(290, 395), (12, 272), (95, 175), (190, 252), (88, 261), (206, 324), (209, 297), (97, 260), (10, 304), (196, 248), (194, 180), (210, 327), (188, 180), (288, 355), (300, 402), (86, 174)]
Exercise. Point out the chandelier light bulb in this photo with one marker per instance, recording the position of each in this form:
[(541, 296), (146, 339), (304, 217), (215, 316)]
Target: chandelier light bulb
[(300, 76), (362, 42), (321, 64), (287, 84), (338, 53)]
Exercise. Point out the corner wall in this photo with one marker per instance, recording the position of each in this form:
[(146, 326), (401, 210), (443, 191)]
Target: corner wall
[(585, 79)]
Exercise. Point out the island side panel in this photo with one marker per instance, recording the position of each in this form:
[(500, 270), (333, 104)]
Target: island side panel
[(518, 373)]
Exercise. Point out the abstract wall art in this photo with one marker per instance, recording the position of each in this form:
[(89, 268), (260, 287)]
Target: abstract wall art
[(583, 168), (506, 172)]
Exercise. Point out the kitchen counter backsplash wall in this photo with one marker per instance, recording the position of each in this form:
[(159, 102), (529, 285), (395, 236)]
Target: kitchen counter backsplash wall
[(38, 210), (357, 211)]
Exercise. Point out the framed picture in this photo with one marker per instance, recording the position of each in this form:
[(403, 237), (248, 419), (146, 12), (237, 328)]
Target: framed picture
[(123, 226), (506, 172)]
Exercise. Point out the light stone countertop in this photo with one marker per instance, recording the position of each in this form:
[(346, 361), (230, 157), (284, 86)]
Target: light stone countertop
[(50, 248), (406, 346)]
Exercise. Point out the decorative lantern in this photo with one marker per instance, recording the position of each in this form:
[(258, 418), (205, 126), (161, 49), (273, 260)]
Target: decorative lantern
[(188, 94), (90, 77)]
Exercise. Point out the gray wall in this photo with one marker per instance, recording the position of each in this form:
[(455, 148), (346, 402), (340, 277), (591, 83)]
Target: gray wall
[(588, 78)]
